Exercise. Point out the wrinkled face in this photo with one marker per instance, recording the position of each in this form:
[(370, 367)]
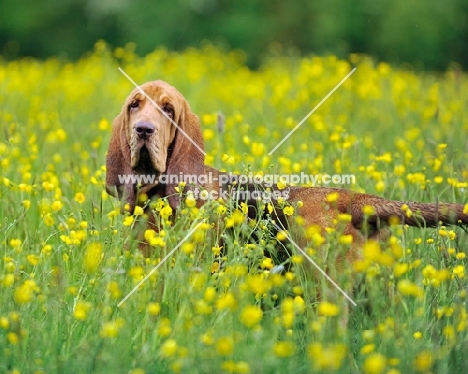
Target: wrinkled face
[(149, 129)]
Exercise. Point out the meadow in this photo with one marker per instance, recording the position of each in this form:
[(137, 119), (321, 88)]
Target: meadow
[(68, 256)]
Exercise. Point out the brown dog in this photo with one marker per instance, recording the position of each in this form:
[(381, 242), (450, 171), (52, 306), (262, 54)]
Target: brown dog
[(165, 141)]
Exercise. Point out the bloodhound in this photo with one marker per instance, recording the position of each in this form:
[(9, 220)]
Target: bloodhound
[(156, 134)]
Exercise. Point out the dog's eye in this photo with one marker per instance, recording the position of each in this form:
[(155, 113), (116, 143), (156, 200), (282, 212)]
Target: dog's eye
[(168, 110), (134, 104)]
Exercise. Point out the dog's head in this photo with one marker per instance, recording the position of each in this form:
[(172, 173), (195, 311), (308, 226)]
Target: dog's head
[(156, 133)]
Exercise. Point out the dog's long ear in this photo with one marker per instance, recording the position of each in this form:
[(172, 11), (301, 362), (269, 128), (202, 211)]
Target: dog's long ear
[(186, 158), (118, 165)]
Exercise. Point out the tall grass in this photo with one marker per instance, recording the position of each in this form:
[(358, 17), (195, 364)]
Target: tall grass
[(69, 256)]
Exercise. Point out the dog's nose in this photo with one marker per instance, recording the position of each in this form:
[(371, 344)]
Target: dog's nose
[(144, 129)]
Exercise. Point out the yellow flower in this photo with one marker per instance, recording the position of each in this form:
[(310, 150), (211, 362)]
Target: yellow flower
[(282, 235), (297, 259), (208, 134), (164, 328), (368, 348), (399, 170), (111, 329), (225, 346), (15, 243), (166, 212), (226, 301), (332, 197), (235, 219), (452, 235), (368, 210), (104, 124), (33, 259), (81, 310), (207, 338), (429, 272), (92, 257), (153, 309), (244, 208), (386, 157), (326, 358), (449, 333), (13, 338), (48, 186), (423, 361), (242, 367), (258, 149), (128, 220), (221, 209), (9, 264), (443, 232), (209, 294), (190, 200), (169, 348), (215, 267), (372, 251), (138, 211), (56, 205), (23, 294), (113, 213), (251, 315), (460, 256), (8, 280), (216, 250), (288, 210), (408, 288), (80, 197), (188, 248), (137, 273), (328, 309), (344, 217), (459, 271), (281, 185), (400, 268), (4, 323), (441, 146), (114, 290), (346, 239), (284, 349), (48, 219), (152, 238), (405, 208), (375, 364), (267, 263)]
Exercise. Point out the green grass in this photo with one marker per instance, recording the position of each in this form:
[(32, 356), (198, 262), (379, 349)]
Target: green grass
[(69, 258)]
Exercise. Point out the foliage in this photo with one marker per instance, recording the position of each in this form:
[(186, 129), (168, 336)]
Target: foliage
[(69, 257), (426, 33)]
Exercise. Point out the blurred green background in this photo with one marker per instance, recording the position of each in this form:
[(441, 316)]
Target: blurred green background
[(429, 34)]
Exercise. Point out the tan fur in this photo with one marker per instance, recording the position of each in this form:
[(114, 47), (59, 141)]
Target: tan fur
[(172, 153), (169, 150)]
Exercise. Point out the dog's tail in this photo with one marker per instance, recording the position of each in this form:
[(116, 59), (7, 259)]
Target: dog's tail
[(410, 213)]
